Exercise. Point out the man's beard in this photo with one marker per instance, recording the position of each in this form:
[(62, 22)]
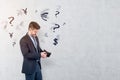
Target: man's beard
[(34, 35)]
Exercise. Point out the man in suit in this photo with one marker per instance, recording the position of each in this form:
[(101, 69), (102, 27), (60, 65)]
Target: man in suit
[(32, 53)]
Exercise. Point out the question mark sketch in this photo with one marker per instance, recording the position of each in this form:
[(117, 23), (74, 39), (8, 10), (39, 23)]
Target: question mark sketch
[(57, 12), (11, 20), (55, 27)]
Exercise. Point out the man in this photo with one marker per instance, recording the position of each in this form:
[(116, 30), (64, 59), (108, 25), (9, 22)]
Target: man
[(32, 53)]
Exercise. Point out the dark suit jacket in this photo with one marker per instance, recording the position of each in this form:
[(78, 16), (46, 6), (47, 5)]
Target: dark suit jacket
[(30, 55)]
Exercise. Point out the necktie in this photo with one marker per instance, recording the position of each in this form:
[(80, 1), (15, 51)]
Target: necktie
[(35, 43)]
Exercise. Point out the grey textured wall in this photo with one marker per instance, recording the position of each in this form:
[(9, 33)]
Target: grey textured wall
[(88, 38)]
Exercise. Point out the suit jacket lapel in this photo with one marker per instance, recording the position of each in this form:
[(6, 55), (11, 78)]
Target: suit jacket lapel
[(30, 41)]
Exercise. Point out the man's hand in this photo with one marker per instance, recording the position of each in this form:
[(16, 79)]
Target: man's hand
[(43, 54)]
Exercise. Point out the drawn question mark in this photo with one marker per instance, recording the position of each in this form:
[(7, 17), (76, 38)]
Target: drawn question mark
[(56, 26), (11, 20), (57, 12)]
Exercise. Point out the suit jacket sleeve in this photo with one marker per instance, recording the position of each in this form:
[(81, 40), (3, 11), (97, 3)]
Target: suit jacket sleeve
[(27, 50)]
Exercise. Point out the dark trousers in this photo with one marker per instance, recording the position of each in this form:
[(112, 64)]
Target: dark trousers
[(37, 75)]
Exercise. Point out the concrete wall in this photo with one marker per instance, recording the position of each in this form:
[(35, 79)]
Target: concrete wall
[(83, 36)]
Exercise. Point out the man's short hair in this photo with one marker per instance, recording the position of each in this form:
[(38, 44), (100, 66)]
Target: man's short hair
[(34, 25)]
